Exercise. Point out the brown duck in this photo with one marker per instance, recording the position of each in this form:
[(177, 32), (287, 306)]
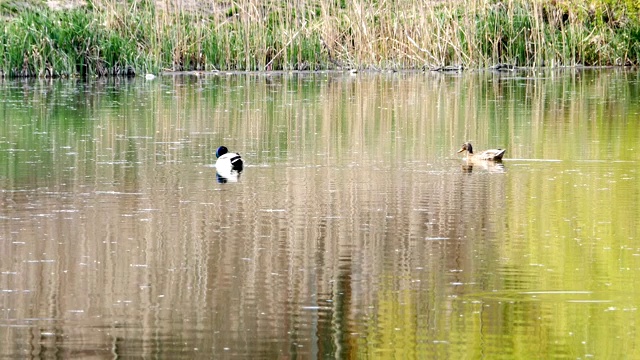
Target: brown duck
[(490, 155)]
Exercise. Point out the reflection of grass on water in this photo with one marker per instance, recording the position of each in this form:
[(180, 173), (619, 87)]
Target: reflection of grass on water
[(107, 37)]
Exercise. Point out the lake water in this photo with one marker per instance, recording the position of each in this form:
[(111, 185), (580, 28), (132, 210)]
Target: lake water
[(355, 231)]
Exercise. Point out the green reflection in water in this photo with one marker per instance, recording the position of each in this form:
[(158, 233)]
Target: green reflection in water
[(354, 205)]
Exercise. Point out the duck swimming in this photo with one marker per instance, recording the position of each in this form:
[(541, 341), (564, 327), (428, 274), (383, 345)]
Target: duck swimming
[(229, 165), (490, 155)]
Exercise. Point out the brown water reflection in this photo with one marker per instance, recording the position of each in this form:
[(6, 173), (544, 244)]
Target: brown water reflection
[(355, 230)]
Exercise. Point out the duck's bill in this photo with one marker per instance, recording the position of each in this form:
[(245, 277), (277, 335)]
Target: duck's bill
[(461, 150)]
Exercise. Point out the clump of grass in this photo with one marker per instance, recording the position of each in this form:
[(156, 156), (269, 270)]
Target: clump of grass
[(108, 37), (63, 43)]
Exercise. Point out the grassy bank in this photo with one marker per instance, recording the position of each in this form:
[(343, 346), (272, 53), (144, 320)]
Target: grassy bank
[(106, 37)]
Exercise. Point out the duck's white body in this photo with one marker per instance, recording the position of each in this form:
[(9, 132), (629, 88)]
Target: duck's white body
[(225, 163)]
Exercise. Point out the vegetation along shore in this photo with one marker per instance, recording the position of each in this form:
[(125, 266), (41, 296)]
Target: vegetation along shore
[(127, 37)]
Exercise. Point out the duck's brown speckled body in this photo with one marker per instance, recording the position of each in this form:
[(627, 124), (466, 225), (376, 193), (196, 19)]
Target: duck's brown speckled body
[(487, 155)]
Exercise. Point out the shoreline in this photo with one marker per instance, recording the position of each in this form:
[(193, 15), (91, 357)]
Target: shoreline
[(400, 71), (267, 73)]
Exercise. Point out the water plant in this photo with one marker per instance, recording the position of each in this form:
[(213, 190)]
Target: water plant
[(110, 37)]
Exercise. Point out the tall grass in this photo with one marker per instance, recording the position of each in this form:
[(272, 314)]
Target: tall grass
[(115, 37)]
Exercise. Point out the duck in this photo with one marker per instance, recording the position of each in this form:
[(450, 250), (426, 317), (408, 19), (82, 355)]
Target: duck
[(229, 165), (489, 155)]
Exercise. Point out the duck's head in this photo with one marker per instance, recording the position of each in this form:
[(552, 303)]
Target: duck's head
[(221, 151), (466, 147)]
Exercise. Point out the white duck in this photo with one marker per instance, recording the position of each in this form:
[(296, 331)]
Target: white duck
[(228, 166)]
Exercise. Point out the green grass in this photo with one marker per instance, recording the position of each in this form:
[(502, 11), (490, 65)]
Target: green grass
[(107, 37)]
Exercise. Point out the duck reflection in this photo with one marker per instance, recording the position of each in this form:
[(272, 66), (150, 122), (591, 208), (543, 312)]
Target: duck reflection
[(485, 165), (229, 178)]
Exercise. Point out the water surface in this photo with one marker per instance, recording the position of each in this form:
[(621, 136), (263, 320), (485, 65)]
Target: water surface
[(355, 231)]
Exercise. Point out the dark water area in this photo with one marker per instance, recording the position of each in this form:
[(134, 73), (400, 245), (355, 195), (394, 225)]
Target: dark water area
[(354, 231)]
